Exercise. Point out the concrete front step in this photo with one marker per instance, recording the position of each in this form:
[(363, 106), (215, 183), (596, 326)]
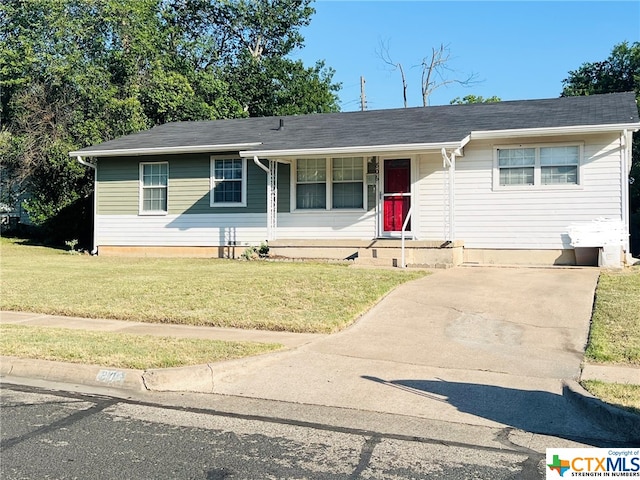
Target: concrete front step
[(378, 262), (423, 256), (377, 252), (395, 262)]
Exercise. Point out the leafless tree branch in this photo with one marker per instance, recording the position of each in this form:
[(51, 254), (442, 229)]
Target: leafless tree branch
[(434, 69), (383, 53)]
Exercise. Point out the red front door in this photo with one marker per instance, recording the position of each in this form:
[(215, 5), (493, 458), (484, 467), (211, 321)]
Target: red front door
[(397, 194)]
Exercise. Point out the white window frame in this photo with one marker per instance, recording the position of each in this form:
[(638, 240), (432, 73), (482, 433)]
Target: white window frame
[(214, 181), (537, 168), (328, 186), (142, 187)]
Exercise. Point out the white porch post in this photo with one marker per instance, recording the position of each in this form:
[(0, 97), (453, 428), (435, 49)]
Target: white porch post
[(272, 196), (449, 190), (272, 200)]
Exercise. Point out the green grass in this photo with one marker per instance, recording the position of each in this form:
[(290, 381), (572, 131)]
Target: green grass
[(296, 297), (615, 327), (624, 396), (119, 350), (614, 337)]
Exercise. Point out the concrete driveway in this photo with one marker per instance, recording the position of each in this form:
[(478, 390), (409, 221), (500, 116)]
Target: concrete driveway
[(482, 346)]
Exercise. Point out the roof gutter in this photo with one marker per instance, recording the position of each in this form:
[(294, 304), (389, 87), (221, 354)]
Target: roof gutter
[(126, 152), (535, 132)]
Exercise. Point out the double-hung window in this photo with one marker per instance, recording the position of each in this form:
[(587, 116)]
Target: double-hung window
[(154, 181), (329, 183), (347, 177), (311, 183), (559, 165), (517, 165), (228, 182), (538, 166)]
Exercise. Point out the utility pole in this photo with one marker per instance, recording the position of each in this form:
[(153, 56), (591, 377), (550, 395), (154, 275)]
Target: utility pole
[(363, 97)]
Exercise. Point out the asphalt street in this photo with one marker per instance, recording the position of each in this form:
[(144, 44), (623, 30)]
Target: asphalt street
[(66, 435)]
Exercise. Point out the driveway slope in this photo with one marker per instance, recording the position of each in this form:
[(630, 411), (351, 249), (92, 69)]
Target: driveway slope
[(477, 345)]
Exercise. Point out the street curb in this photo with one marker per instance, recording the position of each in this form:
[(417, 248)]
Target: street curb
[(612, 418), (197, 379), (93, 375)]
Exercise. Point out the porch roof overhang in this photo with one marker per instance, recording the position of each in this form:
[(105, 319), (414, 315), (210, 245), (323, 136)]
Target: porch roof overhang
[(357, 150)]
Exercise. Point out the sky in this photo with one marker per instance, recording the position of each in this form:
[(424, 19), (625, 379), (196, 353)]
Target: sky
[(516, 50)]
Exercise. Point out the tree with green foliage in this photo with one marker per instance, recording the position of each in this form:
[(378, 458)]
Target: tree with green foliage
[(467, 99), (79, 72), (620, 72)]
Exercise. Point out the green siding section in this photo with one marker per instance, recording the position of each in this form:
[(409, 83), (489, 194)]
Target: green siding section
[(117, 186), (284, 188), (189, 186)]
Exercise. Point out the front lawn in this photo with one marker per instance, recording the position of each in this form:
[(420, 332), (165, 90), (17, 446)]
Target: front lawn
[(614, 337), (120, 350), (620, 395), (284, 296), (615, 325)]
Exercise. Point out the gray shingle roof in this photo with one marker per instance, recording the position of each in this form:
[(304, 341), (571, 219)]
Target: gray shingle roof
[(438, 124)]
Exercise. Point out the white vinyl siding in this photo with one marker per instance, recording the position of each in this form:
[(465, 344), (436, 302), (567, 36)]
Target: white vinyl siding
[(430, 199), (219, 230), (154, 184), (532, 217)]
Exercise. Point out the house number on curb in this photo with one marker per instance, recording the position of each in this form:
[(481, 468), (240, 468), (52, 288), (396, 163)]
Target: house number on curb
[(110, 376)]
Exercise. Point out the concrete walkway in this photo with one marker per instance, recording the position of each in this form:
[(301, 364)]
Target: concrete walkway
[(474, 345), (480, 346), (289, 340)]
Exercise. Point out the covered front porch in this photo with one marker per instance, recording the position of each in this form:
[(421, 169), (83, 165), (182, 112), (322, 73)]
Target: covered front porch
[(388, 208)]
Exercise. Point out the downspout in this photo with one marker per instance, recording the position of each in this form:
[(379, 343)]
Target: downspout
[(258, 163), (625, 169), (94, 251)]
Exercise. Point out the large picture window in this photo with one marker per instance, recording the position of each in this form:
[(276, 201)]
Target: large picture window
[(329, 183), (154, 181), (228, 182), (538, 166)]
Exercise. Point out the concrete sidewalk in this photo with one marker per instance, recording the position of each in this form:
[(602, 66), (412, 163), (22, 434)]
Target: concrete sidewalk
[(473, 345), (288, 339)]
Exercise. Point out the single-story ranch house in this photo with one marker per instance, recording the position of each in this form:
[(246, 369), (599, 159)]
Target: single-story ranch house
[(509, 182)]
